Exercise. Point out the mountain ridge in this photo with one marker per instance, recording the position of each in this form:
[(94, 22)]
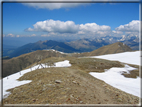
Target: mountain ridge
[(109, 49), (42, 45), (28, 59)]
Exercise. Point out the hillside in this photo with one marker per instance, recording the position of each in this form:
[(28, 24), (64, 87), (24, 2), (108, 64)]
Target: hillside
[(109, 49), (16, 64)]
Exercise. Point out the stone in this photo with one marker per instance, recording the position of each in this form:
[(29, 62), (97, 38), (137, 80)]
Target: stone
[(72, 96), (74, 82), (119, 99), (48, 71), (58, 81)]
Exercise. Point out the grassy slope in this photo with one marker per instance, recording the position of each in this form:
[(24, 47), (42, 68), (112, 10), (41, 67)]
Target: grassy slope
[(18, 63)]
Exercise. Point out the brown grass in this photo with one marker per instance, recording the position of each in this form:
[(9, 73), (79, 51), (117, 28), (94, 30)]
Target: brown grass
[(94, 64)]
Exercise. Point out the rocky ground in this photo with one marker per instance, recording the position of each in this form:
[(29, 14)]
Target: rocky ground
[(72, 85)]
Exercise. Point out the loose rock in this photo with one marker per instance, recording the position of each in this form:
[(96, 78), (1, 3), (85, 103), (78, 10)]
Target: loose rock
[(58, 81)]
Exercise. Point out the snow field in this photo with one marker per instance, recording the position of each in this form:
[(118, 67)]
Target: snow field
[(114, 77), (125, 57)]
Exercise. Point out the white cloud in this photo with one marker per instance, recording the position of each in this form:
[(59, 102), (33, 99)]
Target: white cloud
[(33, 35), (132, 26), (117, 32), (55, 26), (45, 35), (49, 34), (93, 27), (52, 6), (55, 5), (103, 33), (30, 29), (10, 35), (81, 32)]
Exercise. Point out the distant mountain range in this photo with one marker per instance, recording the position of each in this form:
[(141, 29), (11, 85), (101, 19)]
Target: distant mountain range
[(87, 45), (42, 45), (130, 40), (81, 45)]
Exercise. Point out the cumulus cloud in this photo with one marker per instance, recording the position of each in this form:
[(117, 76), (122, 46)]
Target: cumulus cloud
[(52, 27), (55, 26), (93, 27), (132, 26)]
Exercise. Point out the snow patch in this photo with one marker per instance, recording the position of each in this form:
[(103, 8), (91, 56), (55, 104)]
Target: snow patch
[(54, 51), (63, 64), (114, 77), (12, 82)]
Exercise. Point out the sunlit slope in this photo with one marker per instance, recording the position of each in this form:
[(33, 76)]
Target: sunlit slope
[(109, 49)]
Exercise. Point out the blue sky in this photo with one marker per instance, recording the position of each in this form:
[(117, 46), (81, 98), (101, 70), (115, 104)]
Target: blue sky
[(69, 20)]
